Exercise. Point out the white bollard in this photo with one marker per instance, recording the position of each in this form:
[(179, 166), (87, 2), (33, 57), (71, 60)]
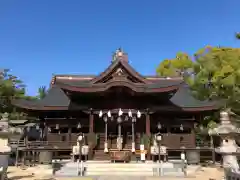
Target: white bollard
[(183, 158), (81, 169), (143, 155), (78, 166)]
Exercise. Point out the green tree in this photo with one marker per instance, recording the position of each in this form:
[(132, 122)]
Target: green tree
[(10, 87), (238, 35), (42, 92), (178, 66), (217, 76)]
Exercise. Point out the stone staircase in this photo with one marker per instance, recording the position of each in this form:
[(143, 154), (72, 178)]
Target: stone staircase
[(105, 168), (129, 169)]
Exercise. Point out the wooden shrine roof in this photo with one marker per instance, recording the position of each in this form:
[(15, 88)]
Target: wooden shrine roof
[(56, 99), (119, 73)]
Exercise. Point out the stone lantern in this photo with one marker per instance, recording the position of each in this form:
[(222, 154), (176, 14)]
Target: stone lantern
[(5, 150), (228, 148)]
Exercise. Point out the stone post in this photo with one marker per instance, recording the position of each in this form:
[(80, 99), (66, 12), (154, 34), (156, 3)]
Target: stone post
[(5, 150)]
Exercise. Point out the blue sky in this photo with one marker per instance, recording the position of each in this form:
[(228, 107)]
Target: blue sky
[(39, 38)]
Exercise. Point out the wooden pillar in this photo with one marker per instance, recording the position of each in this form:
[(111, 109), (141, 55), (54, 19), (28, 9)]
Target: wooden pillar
[(26, 138), (148, 130), (33, 158), (17, 154), (45, 132), (69, 135), (91, 122), (23, 158), (213, 151)]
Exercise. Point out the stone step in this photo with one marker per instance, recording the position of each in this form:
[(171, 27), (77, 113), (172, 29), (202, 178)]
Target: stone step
[(66, 173), (117, 173), (101, 154), (93, 168), (107, 164), (119, 169)]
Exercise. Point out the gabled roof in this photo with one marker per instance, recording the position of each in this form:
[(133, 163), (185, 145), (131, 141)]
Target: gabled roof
[(85, 86), (119, 73), (56, 99), (184, 99), (120, 63)]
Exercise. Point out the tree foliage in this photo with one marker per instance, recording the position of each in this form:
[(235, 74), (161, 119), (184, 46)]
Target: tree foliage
[(11, 88), (177, 66), (42, 92), (217, 75), (213, 73), (238, 35)]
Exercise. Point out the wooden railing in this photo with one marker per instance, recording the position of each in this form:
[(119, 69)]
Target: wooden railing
[(178, 140), (50, 143), (204, 144), (170, 141), (16, 143), (32, 144), (13, 142)]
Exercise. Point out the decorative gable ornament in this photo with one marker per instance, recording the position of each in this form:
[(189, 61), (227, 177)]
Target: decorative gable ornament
[(119, 72), (118, 53)]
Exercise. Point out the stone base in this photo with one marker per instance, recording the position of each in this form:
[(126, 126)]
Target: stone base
[(4, 162)]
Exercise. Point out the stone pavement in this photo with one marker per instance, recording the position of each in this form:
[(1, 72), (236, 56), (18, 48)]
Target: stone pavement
[(105, 178), (205, 174)]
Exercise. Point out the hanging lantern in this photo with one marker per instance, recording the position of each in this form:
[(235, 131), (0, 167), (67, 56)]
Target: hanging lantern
[(57, 126), (138, 114), (100, 113), (105, 119), (119, 120), (79, 126), (120, 112), (159, 126), (130, 113), (126, 118), (109, 114), (181, 127), (112, 118), (134, 119)]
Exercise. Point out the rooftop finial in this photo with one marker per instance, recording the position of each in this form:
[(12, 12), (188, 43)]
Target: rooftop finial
[(119, 53)]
